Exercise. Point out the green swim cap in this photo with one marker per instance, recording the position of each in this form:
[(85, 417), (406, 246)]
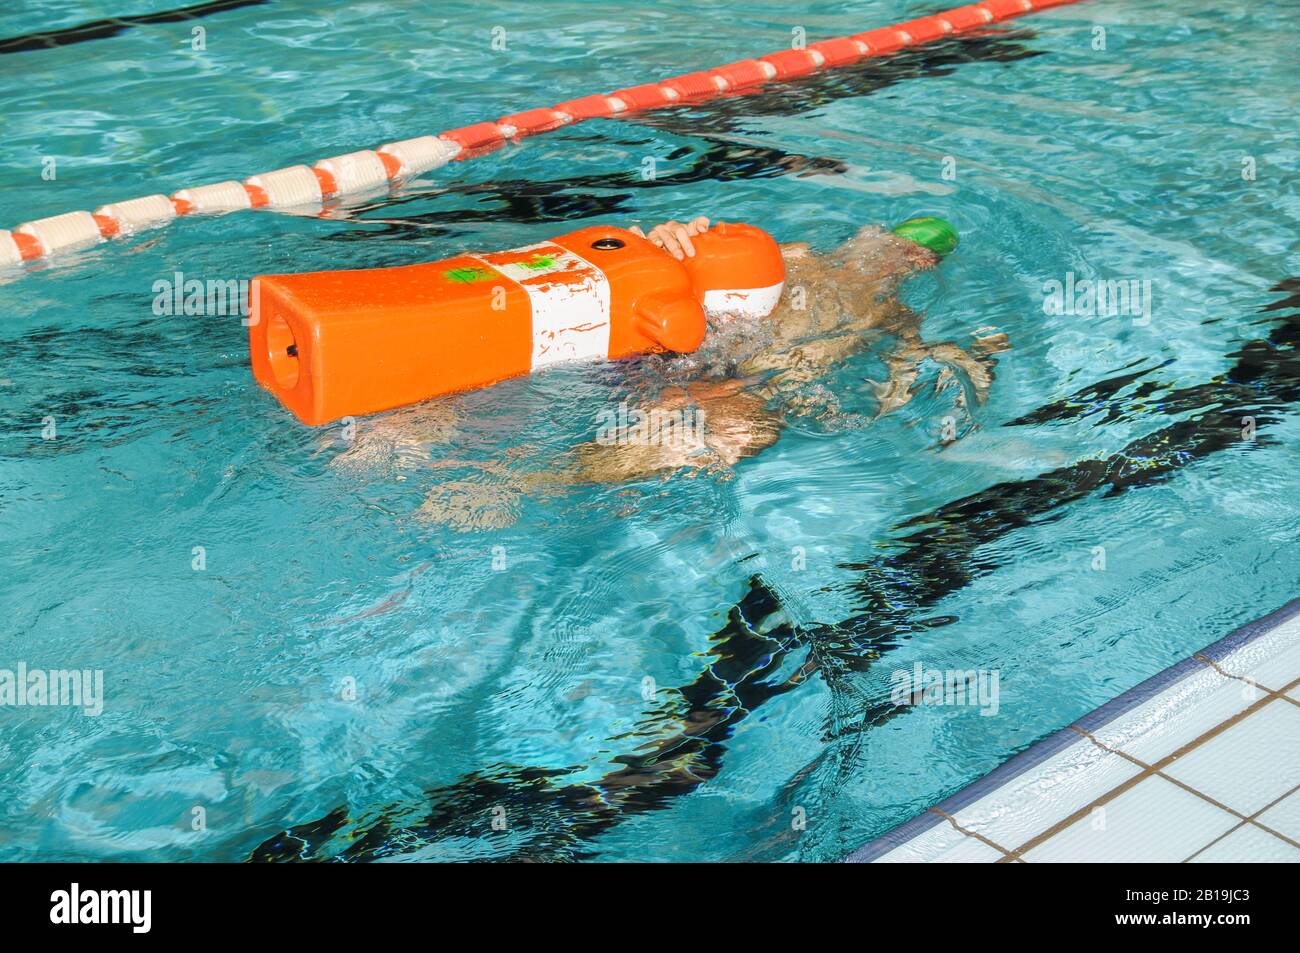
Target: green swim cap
[(932, 233)]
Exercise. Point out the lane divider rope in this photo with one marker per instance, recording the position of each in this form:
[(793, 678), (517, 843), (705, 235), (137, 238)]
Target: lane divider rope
[(372, 169)]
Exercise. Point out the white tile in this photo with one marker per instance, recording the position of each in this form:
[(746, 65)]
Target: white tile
[(1249, 765), (1153, 822), (1284, 817), (941, 844), (1047, 794), (1182, 712), (971, 850), (1273, 659), (1248, 845)]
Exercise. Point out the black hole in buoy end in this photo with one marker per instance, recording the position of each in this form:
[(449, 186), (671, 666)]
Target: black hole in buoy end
[(291, 350), (607, 244)]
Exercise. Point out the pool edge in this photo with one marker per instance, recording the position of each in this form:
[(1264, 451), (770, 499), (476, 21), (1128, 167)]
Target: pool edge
[(1051, 744)]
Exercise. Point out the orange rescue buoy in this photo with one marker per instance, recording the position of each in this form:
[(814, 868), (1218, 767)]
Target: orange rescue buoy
[(332, 344)]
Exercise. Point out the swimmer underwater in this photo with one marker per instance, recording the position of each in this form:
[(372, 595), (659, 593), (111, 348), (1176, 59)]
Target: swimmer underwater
[(748, 379), (846, 302)]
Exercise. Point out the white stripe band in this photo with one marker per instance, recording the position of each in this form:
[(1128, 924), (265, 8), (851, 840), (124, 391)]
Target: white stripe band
[(421, 154), (136, 214), (570, 302), (361, 171), (745, 303), (287, 188), (9, 254), (218, 197), (63, 231)]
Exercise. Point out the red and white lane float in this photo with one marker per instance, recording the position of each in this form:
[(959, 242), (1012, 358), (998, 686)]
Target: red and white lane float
[(339, 343), (302, 186)]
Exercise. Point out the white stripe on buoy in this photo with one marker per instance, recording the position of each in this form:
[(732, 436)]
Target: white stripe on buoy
[(218, 197), (285, 188), (569, 298), (354, 172), (745, 303), (421, 154), (63, 231), (135, 214), (9, 254)]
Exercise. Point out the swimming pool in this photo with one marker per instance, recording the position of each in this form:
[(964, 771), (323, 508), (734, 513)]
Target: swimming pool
[(696, 669)]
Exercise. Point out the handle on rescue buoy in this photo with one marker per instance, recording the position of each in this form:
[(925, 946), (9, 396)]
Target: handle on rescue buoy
[(674, 323)]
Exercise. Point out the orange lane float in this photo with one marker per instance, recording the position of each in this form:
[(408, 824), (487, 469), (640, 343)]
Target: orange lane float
[(333, 344), (355, 173)]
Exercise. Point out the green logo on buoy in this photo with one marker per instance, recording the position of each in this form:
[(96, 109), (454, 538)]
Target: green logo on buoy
[(539, 262), (466, 276)]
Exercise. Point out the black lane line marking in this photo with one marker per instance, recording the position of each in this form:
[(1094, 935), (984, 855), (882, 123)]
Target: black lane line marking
[(112, 26)]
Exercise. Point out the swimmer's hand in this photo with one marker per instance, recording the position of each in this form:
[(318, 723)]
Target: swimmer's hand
[(674, 237)]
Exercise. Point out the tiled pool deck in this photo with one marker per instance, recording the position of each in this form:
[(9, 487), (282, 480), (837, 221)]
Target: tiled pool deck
[(1198, 763)]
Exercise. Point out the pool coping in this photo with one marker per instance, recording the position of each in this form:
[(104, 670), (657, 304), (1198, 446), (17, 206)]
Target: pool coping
[(1046, 747)]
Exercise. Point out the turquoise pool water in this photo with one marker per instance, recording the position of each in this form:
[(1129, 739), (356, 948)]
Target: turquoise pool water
[(689, 669)]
